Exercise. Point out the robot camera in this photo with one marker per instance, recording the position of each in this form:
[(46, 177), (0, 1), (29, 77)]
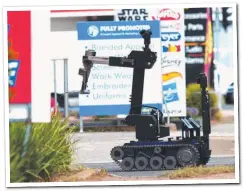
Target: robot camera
[(146, 33), (202, 80), (90, 53), (198, 80)]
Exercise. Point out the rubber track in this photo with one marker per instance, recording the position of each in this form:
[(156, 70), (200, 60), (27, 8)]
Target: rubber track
[(162, 146), (205, 161)]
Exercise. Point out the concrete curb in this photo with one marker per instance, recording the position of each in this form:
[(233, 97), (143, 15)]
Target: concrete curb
[(111, 161)]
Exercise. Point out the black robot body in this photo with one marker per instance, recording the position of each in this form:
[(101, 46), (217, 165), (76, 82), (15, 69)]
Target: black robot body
[(154, 149)]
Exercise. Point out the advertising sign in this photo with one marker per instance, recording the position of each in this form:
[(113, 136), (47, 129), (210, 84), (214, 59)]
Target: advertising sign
[(28, 65), (173, 60), (110, 87), (198, 43), (173, 53), (19, 56), (208, 47), (167, 14), (195, 35), (132, 15)]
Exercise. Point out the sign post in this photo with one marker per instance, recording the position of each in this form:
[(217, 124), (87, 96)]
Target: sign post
[(66, 87), (55, 84)]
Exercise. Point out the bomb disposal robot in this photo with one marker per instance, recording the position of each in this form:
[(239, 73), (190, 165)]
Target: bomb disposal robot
[(150, 151)]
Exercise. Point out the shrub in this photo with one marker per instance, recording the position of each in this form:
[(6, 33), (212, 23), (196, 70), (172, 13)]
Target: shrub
[(74, 114), (97, 118), (192, 111), (218, 116), (214, 111), (49, 151), (193, 96)]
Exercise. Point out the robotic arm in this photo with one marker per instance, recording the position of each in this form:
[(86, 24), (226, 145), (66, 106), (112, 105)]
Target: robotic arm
[(89, 59), (132, 61), (148, 127)]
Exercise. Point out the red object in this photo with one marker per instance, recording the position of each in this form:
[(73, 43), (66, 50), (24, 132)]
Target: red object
[(209, 46), (84, 10), (53, 109), (166, 15), (20, 35), (53, 102)]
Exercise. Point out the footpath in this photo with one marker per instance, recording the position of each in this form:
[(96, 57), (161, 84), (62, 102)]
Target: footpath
[(95, 147)]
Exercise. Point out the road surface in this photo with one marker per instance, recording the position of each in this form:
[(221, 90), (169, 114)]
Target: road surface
[(93, 149), (113, 169)]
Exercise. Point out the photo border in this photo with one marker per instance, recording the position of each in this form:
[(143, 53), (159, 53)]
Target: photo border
[(112, 183)]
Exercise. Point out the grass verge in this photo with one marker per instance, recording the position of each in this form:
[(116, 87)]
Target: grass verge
[(83, 174), (101, 173), (193, 172), (49, 151)]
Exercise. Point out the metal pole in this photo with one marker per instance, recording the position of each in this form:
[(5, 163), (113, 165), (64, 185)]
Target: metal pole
[(167, 110), (55, 84), (81, 124), (217, 31), (66, 87), (27, 132)]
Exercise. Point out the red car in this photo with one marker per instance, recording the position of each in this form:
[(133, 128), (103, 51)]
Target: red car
[(53, 109)]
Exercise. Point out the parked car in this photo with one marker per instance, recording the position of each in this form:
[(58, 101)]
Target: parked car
[(229, 96), (53, 104), (73, 100)]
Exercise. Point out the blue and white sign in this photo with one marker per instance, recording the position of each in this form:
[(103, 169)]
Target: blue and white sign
[(13, 66), (110, 87), (93, 31), (173, 64), (170, 36), (170, 93), (115, 30)]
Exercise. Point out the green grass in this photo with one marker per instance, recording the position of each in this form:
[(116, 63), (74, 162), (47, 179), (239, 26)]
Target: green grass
[(49, 151), (192, 172)]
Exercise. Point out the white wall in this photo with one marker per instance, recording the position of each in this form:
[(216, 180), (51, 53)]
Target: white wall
[(66, 45), (40, 70), (65, 23)]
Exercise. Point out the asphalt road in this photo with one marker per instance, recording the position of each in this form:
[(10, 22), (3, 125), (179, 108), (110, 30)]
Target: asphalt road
[(95, 147), (113, 169)]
